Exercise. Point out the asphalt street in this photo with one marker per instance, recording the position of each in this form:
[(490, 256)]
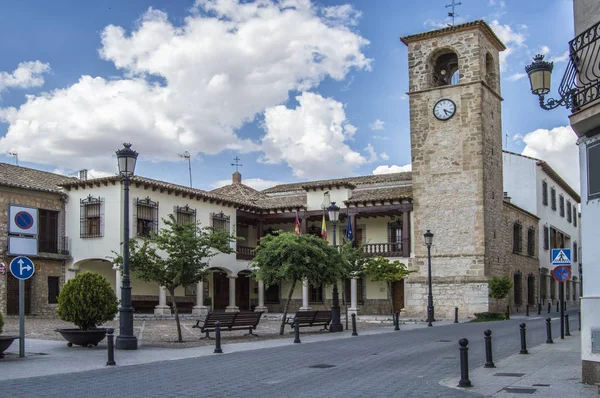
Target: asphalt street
[(399, 364)]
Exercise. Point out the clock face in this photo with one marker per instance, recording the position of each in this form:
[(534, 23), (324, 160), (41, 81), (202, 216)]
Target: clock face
[(444, 109)]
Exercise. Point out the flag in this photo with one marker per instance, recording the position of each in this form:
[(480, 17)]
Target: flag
[(324, 228), (297, 227), (349, 235)]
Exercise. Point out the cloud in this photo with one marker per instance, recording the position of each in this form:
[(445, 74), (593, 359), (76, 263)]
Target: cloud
[(310, 139), (516, 76), (344, 14), (558, 147), (385, 169), (511, 39), (27, 74), (186, 87), (257, 183), (559, 58), (384, 156), (377, 125), (380, 137), (372, 154)]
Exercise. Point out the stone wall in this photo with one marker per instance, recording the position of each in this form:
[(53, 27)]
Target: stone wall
[(47, 265)]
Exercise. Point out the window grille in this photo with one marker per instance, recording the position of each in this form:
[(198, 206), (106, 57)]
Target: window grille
[(518, 288), (546, 238), (574, 215), (517, 237), (544, 193), (569, 213), (146, 217), (91, 214), (531, 289), (575, 254), (561, 202), (553, 198), (531, 241), (220, 221), (184, 214), (316, 294), (395, 236)]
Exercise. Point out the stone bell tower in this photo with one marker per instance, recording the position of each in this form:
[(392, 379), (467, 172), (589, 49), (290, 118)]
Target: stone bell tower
[(456, 147)]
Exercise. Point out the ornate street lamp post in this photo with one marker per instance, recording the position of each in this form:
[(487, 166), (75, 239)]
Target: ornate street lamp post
[(126, 340), (336, 324), (540, 74), (428, 240)]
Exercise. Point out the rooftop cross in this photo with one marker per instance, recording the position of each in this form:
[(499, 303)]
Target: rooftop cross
[(237, 163), (453, 14)]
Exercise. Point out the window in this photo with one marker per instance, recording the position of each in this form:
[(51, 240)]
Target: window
[(569, 212), (518, 288), (575, 254), (316, 294), (220, 221), (531, 289), (395, 235), (553, 198), (184, 214), (90, 217), (561, 203), (272, 294), (53, 289), (517, 237), (531, 241), (593, 170), (146, 217), (48, 231), (544, 193), (546, 238), (575, 215)]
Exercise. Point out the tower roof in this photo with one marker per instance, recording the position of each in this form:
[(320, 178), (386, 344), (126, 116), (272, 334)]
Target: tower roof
[(478, 24)]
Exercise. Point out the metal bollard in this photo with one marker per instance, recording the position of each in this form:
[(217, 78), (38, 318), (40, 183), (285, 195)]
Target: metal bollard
[(489, 363), (464, 363), (111, 347), (296, 331), (455, 314), (523, 339), (397, 322), (218, 349), (579, 313), (354, 325), (527, 310), (567, 332), (549, 331), (539, 308), (557, 304), (549, 307)]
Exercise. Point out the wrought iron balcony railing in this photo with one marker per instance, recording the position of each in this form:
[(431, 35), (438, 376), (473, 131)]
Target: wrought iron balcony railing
[(580, 84), (54, 245)]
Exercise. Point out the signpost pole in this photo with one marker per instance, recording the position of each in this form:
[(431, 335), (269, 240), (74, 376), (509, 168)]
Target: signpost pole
[(21, 318), (562, 310)]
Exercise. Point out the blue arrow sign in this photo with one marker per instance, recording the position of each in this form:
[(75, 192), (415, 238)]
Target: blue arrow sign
[(22, 267), (561, 256)]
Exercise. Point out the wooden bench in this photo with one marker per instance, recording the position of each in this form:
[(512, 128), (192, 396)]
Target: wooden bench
[(230, 321), (311, 318)]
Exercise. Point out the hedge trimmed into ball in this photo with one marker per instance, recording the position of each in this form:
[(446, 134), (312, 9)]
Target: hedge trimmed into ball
[(87, 301)]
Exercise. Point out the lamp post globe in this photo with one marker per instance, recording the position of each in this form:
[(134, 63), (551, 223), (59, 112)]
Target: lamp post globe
[(428, 236), (336, 325), (540, 73), (126, 340)]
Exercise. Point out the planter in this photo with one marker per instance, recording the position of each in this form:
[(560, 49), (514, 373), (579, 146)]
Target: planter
[(5, 342), (85, 338)]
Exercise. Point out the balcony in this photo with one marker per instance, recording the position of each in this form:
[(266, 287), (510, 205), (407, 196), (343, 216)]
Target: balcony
[(54, 247), (244, 252)]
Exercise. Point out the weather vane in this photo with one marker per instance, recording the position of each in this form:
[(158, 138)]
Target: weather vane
[(453, 14), (237, 163)]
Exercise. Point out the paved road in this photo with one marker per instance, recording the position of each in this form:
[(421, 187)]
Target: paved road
[(400, 364)]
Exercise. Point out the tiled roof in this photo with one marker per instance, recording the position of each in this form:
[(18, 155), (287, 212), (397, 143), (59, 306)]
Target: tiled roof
[(240, 191), (357, 181), (561, 183), (380, 194), (456, 28), (23, 177)]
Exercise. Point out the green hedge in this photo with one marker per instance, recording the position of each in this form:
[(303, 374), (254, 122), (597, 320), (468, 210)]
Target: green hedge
[(489, 316)]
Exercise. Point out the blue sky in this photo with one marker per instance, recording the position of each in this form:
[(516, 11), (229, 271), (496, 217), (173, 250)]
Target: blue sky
[(297, 90)]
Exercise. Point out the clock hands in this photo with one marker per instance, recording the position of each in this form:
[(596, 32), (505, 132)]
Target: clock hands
[(446, 111)]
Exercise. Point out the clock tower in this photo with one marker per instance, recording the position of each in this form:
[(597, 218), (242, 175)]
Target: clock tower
[(456, 148)]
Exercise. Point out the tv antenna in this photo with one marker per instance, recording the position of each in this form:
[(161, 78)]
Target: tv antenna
[(15, 154), (186, 155), (453, 14)]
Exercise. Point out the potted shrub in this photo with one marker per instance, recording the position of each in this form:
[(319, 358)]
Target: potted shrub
[(87, 301), (5, 341)]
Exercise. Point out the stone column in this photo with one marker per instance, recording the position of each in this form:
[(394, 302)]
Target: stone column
[(353, 297), (162, 308), (117, 282), (261, 298), (200, 308), (232, 307), (305, 306)]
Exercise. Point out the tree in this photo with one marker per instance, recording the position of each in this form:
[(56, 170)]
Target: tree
[(176, 256), (382, 270), (290, 258), (499, 286)]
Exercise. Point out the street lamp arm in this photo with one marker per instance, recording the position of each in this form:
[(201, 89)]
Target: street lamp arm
[(551, 103)]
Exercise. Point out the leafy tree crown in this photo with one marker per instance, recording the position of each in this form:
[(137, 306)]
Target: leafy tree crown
[(384, 270), (499, 286)]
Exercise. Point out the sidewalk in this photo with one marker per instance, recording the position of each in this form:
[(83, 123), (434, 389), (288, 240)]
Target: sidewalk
[(549, 370)]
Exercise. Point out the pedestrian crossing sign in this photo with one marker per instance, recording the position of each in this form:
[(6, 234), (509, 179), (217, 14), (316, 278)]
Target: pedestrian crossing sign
[(561, 256)]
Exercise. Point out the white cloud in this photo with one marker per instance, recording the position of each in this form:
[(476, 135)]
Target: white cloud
[(310, 139), (257, 183), (558, 148), (344, 14), (559, 58), (384, 156), (372, 154), (511, 39), (385, 169), (187, 87), (380, 137), (516, 76), (377, 125), (27, 74)]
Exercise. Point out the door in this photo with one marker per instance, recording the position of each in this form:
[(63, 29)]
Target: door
[(12, 295), (398, 294), (220, 290), (242, 291)]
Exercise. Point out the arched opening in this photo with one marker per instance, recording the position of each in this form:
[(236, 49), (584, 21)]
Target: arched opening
[(531, 289), (242, 290), (220, 289), (491, 76), (445, 71), (518, 293)]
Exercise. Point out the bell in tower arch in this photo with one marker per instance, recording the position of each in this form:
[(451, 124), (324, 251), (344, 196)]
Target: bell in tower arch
[(445, 68)]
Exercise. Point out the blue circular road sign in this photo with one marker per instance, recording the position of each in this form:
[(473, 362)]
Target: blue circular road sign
[(22, 267), (562, 273), (24, 220)]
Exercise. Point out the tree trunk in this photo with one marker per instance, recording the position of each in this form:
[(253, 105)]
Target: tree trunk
[(287, 306), (172, 294), (391, 298)]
